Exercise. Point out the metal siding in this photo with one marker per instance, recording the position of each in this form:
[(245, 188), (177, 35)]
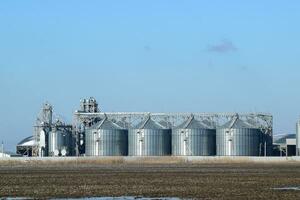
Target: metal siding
[(244, 142), (90, 145), (106, 142), (266, 144), (193, 142), (59, 140), (155, 142)]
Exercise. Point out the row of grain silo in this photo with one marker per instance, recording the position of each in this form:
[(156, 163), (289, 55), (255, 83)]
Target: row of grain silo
[(191, 138)]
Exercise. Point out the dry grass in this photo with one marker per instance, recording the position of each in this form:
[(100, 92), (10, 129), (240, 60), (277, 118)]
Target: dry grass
[(133, 160), (62, 162), (156, 160)]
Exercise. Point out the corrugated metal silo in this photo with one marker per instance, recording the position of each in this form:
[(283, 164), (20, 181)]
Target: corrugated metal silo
[(106, 139), (149, 138), (266, 144), (238, 138), (60, 143), (266, 139), (193, 138)]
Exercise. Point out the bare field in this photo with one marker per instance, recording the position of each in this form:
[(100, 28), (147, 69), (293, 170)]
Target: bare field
[(149, 178)]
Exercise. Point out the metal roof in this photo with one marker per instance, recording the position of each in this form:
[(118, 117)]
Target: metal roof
[(209, 123), (123, 124), (282, 140), (237, 123), (149, 124), (166, 123), (192, 123), (106, 124), (29, 141)]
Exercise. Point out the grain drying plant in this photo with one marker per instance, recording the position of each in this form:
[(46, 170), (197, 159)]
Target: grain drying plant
[(95, 133), (52, 138)]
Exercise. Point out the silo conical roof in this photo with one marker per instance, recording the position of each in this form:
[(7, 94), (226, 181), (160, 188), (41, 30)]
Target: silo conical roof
[(166, 124), (107, 124), (192, 123), (123, 124), (210, 124), (149, 124), (237, 123), (253, 123)]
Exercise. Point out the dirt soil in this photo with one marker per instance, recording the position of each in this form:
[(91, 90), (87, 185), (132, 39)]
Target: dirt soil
[(184, 180)]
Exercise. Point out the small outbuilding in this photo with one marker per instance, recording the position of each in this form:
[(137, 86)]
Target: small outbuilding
[(286, 145), (25, 147)]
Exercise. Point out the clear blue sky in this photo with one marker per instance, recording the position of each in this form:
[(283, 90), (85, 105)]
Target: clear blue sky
[(166, 56)]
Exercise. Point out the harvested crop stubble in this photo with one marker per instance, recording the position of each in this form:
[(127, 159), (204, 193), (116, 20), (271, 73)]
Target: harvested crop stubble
[(223, 180)]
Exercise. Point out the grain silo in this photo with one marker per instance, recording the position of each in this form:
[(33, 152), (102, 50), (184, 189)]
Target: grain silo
[(106, 138), (61, 143), (149, 138), (238, 138), (193, 138), (266, 139)]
